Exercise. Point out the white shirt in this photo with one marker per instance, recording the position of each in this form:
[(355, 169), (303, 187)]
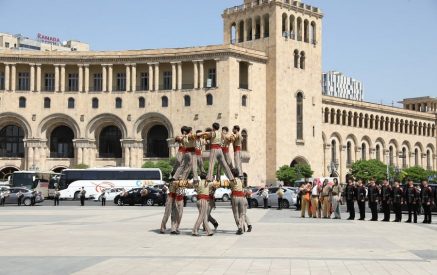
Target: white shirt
[(315, 190)]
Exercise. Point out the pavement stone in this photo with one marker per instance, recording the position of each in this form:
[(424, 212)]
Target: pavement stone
[(126, 240)]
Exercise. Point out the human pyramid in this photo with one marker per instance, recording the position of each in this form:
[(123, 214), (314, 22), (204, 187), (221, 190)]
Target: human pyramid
[(189, 160)]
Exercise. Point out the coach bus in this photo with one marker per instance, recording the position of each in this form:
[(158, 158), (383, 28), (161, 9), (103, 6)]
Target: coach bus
[(95, 180), (44, 182)]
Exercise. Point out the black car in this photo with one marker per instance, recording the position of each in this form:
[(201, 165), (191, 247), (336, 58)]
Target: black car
[(133, 196)]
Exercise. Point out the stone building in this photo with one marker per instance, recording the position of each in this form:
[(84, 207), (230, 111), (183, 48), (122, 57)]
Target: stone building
[(58, 109)]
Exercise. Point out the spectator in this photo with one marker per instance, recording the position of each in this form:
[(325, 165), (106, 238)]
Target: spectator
[(82, 196), (19, 197), (315, 193), (305, 191), (57, 196), (336, 199), (265, 195), (326, 197), (103, 197), (280, 194)]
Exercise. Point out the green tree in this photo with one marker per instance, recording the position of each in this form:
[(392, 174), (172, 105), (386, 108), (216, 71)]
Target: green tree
[(286, 174), (303, 170), (416, 173), (367, 169), (80, 166), (164, 165)]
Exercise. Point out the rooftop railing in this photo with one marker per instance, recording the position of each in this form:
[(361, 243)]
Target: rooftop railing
[(257, 3)]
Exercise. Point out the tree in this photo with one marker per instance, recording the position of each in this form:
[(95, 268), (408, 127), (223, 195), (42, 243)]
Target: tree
[(416, 174), (367, 169), (80, 166), (164, 165), (303, 170), (286, 174)]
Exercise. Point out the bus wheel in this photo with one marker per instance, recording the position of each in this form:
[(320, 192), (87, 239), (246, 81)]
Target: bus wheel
[(76, 196), (27, 202)]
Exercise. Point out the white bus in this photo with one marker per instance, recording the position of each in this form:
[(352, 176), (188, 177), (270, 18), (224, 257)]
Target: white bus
[(95, 180), (43, 182)]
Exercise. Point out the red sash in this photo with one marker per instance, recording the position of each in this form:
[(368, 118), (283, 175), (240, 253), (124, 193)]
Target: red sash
[(215, 146), (237, 194), (225, 149), (203, 197), (237, 148)]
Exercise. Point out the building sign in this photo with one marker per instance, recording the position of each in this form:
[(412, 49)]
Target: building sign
[(48, 39)]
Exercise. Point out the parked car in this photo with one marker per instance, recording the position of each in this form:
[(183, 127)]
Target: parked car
[(191, 194), (289, 199), (154, 196), (110, 194), (27, 199), (222, 194)]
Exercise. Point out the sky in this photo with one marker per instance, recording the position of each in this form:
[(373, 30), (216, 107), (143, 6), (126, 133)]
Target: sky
[(390, 45)]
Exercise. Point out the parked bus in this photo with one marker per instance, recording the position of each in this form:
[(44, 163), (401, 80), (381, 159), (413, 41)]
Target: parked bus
[(95, 180), (44, 182)]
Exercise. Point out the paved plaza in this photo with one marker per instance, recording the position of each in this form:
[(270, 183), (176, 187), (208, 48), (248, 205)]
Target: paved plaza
[(125, 240)]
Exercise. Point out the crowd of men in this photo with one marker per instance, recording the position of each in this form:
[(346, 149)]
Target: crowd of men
[(323, 200), (189, 172)]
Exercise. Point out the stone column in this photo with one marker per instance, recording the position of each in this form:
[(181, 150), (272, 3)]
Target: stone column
[(196, 75), (79, 156), (110, 76), (32, 77), (173, 76), (38, 77), (128, 89), (179, 76), (62, 82), (150, 77), (156, 75), (7, 77), (253, 28), (342, 162), (126, 156), (56, 78), (104, 78), (87, 78), (201, 75), (29, 152), (80, 77), (134, 78), (13, 85)]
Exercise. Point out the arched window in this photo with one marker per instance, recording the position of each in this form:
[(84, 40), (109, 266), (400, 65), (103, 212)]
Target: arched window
[(349, 119), (299, 29), (306, 31), (296, 59), (378, 152), (416, 157), (22, 102), (109, 142), (292, 27), (70, 103), (141, 102), (241, 31), (326, 115), (209, 99), (11, 142), (61, 142), (47, 103), (404, 157), (187, 101), (299, 116), (244, 101), (349, 153), (95, 103), (313, 33), (363, 151), (302, 60), (249, 29), (343, 118), (284, 24), (244, 140), (118, 103), (266, 26), (332, 116), (391, 155), (333, 151), (338, 117), (164, 101), (257, 27), (233, 31), (157, 142)]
